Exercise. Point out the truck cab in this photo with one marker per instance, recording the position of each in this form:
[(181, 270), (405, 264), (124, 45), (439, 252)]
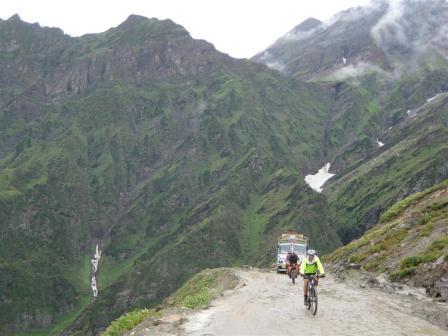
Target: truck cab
[(290, 242)]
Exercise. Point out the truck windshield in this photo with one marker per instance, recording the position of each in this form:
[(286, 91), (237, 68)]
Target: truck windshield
[(285, 248), (300, 249)]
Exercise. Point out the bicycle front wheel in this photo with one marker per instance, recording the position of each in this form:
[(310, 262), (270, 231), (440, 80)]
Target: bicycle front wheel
[(314, 299), (309, 297)]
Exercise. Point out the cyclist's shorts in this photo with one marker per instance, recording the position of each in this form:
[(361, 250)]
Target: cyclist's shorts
[(308, 275)]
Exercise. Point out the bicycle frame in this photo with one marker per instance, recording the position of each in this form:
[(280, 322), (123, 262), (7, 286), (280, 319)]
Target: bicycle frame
[(311, 282)]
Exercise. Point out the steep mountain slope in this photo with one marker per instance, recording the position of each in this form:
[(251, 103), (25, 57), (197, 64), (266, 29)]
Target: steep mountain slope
[(383, 63), (379, 61), (171, 156), (414, 157), (410, 244)]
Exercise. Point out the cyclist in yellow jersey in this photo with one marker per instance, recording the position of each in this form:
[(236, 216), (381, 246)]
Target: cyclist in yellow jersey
[(311, 265)]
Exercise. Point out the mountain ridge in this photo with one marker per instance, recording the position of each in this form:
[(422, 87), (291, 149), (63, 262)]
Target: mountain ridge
[(378, 36)]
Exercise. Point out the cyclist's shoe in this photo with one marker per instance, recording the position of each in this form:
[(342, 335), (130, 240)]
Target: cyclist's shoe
[(305, 300)]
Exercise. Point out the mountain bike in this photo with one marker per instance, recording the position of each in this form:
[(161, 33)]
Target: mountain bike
[(312, 292)]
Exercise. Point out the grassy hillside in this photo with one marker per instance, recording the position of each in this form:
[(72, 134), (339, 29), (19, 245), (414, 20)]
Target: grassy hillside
[(411, 237)]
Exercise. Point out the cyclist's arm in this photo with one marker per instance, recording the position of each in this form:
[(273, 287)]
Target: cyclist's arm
[(320, 267), (302, 266)]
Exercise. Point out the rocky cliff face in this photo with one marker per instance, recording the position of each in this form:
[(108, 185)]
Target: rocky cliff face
[(139, 50)]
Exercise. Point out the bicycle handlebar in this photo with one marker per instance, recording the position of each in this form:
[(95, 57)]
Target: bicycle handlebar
[(312, 276)]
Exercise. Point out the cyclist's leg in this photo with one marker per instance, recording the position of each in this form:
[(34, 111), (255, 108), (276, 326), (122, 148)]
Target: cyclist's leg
[(305, 290), (305, 286)]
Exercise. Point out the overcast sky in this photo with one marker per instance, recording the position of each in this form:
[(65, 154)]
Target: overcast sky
[(240, 28)]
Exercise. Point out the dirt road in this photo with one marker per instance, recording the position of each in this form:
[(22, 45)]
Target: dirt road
[(269, 304)]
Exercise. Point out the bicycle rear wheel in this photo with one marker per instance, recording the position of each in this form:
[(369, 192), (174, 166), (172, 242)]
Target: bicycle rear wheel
[(314, 299)]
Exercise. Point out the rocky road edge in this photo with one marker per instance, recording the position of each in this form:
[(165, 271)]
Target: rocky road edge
[(434, 310)]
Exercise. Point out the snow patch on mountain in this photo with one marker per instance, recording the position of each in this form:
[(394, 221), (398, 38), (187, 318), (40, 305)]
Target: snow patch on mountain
[(317, 180)]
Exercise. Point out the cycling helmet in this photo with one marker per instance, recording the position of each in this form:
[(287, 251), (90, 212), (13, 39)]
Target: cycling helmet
[(309, 254)]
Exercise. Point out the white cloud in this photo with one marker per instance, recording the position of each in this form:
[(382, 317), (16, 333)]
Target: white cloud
[(300, 35), (355, 70), (276, 65), (389, 26)]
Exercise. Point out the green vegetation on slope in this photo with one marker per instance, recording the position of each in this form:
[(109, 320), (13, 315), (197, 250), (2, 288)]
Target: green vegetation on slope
[(411, 234), (127, 322), (414, 158), (436, 249), (399, 207), (203, 287)]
